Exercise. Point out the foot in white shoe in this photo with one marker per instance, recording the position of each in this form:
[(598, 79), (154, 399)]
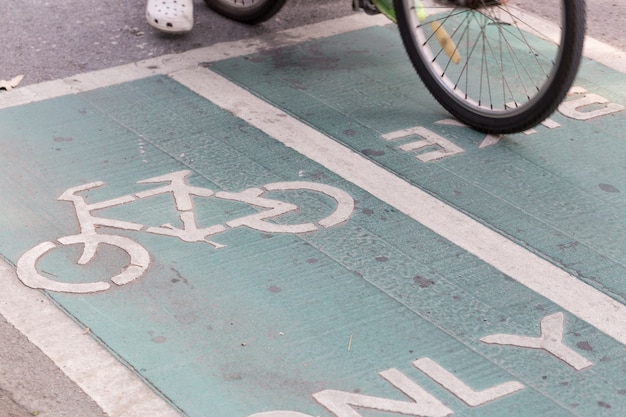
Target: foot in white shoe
[(172, 16)]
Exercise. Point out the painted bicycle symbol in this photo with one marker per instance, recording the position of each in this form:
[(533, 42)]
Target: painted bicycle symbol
[(182, 192)]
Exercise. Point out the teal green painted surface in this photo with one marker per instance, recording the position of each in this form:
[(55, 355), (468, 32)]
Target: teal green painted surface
[(560, 192), (265, 323)]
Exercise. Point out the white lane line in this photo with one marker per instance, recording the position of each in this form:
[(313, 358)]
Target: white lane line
[(539, 275), (605, 54), (166, 64), (113, 386), (89, 363), (169, 63)]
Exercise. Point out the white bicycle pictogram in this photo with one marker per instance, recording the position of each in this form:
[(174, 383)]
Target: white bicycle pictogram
[(182, 192)]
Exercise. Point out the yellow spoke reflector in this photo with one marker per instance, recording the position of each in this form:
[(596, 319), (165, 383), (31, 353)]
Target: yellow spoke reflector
[(446, 42)]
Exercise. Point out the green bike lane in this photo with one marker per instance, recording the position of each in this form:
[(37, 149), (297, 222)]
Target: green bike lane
[(474, 275)]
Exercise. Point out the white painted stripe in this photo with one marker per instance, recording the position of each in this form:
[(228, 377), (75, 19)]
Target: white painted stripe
[(605, 54), (527, 268), (169, 63), (166, 64), (113, 386), (108, 382)]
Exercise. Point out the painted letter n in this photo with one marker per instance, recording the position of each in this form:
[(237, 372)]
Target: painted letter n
[(343, 404)]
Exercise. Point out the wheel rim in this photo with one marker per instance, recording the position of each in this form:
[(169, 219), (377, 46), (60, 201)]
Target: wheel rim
[(507, 58)]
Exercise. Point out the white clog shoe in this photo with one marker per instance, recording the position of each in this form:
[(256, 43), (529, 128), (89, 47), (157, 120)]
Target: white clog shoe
[(172, 16)]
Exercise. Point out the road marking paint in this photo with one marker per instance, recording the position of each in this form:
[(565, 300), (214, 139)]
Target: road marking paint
[(571, 108), (173, 62), (460, 389), (113, 386), (117, 389), (430, 139), (166, 64), (529, 269), (424, 404), (181, 192), (550, 340)]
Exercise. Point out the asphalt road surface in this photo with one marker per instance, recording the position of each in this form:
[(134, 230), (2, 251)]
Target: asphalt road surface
[(47, 40)]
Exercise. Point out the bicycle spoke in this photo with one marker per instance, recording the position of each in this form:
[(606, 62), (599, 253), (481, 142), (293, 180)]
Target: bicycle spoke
[(485, 38), (491, 63)]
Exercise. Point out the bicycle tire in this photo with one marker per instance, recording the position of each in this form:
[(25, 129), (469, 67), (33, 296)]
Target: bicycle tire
[(499, 38), (250, 12)]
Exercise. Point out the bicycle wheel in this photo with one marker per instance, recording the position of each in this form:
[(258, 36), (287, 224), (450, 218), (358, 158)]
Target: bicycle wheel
[(247, 11), (494, 66)]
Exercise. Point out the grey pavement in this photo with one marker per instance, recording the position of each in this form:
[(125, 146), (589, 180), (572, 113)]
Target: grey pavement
[(31, 384), (47, 40)]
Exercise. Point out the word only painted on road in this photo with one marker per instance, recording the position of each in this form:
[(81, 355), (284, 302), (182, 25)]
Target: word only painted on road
[(424, 404), (581, 106), (182, 193)]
